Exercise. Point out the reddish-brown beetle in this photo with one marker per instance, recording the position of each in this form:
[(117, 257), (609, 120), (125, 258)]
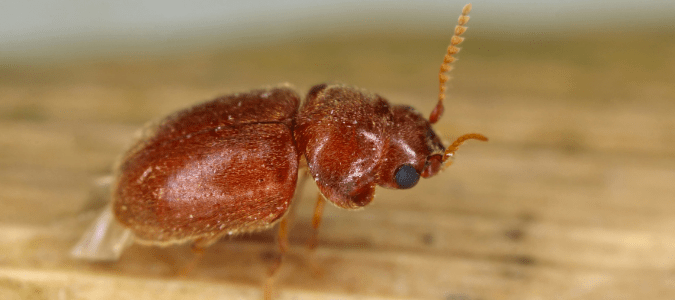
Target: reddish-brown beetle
[(231, 165)]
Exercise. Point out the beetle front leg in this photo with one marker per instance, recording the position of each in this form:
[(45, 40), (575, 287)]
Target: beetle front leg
[(316, 221), (313, 240)]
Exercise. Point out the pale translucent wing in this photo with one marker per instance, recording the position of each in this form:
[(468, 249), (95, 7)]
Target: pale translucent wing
[(104, 240)]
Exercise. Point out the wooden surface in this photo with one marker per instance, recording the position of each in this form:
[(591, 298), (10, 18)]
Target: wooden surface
[(572, 198)]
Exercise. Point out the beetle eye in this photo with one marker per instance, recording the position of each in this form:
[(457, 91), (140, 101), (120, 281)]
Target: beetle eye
[(406, 176)]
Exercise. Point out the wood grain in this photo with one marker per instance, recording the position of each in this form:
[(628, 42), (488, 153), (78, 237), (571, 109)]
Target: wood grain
[(572, 198)]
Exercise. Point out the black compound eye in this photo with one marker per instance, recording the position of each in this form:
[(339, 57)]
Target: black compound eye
[(406, 176)]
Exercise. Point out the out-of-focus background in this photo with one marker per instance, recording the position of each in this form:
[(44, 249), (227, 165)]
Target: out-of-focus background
[(572, 198)]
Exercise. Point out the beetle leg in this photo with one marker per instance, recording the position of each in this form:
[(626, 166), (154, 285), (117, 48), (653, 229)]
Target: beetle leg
[(198, 248), (283, 245), (316, 221), (314, 238), (282, 238), (200, 244)]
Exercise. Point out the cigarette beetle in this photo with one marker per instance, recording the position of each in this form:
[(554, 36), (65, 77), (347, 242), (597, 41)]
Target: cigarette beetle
[(230, 165)]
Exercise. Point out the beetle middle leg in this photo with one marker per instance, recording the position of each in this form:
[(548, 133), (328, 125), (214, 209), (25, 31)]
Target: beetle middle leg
[(198, 248), (269, 288), (282, 241)]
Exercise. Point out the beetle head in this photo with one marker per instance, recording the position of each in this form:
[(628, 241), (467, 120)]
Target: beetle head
[(413, 150)]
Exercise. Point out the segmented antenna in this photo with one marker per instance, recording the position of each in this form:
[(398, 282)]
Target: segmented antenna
[(447, 60), (450, 151)]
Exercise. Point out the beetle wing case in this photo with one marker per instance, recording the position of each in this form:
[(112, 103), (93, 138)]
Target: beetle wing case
[(221, 167)]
